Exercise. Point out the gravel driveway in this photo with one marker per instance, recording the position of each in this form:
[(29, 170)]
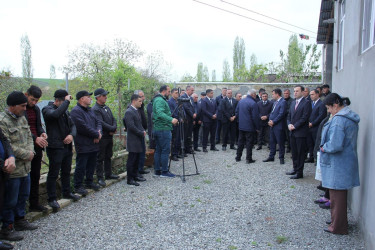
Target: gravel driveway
[(228, 206)]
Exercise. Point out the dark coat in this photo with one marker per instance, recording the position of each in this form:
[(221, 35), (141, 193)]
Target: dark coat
[(264, 110), (87, 129), (8, 151), (105, 116), (135, 131), (248, 115), (173, 104), (278, 115), (58, 124), (208, 110), (288, 103), (218, 100), (318, 113), (300, 118), (197, 110), (188, 107), (141, 112), (39, 128), (227, 109)]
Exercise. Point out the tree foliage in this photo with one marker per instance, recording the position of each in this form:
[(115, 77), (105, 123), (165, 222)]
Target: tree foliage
[(206, 75), (199, 75), (226, 71), (27, 67), (8, 83), (239, 65), (187, 78), (213, 76)]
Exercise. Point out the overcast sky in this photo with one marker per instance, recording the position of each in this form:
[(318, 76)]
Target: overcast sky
[(186, 32)]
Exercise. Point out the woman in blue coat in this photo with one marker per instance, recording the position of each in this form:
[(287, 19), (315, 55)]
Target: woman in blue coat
[(338, 159)]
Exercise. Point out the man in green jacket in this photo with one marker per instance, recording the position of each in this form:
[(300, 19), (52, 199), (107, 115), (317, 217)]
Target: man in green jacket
[(17, 188), (162, 127)]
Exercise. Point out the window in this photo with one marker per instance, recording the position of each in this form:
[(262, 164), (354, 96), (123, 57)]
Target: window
[(368, 24), (340, 54)]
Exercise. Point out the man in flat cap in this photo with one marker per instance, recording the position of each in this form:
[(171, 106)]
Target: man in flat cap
[(109, 126), (60, 129), (17, 187), (89, 133)]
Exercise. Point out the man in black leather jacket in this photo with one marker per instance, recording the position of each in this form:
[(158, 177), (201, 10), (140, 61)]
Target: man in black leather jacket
[(60, 129), (109, 126)]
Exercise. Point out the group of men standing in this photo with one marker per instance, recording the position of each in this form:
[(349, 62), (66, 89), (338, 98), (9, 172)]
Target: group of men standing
[(92, 130)]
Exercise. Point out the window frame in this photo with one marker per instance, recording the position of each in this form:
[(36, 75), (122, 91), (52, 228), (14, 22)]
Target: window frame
[(341, 35), (370, 27)]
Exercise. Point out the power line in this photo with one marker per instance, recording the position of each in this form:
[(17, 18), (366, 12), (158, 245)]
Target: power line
[(234, 13), (267, 16)]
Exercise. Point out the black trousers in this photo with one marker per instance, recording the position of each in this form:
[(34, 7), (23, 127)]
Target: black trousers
[(299, 149), (36, 165), (277, 136), (196, 128), (188, 131), (103, 160), (132, 165), (176, 140), (218, 130), (229, 133), (237, 132), (245, 138), (60, 159), (310, 140), (263, 135), (209, 128)]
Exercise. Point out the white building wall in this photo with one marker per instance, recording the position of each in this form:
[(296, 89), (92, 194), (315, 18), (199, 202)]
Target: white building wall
[(357, 81)]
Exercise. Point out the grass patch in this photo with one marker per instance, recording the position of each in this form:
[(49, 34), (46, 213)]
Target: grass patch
[(207, 181), (218, 240), (192, 205), (196, 187), (280, 239), (254, 243), (149, 196), (292, 186), (139, 224), (232, 247), (229, 166), (199, 200)]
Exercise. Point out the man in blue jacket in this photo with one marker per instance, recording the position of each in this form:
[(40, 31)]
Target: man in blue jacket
[(247, 112), (89, 133), (209, 117), (277, 124)]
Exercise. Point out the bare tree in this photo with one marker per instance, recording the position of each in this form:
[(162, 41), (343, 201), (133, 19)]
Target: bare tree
[(27, 67)]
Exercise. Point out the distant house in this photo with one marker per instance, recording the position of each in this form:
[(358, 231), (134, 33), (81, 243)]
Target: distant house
[(347, 30)]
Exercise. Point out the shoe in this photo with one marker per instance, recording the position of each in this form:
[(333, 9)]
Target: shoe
[(139, 178), (144, 172), (250, 161), (327, 230), (133, 182), (101, 183), (224, 148), (167, 175), (112, 177), (185, 155), (269, 159), (55, 205), (4, 245), (328, 222), (38, 208), (291, 172), (233, 147), (8, 233), (157, 173), (180, 156), (174, 158), (197, 149), (93, 186), (24, 225), (205, 150), (326, 205), (259, 147), (71, 196), (214, 149), (82, 191), (310, 160), (238, 159), (321, 200), (282, 161), (296, 176)]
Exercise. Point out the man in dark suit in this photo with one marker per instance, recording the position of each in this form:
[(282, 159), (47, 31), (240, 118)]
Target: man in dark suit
[(318, 113), (306, 94), (277, 123), (176, 139), (265, 108), (197, 122), (135, 135), (200, 135), (238, 98), (188, 122), (249, 122), (209, 116), (219, 114), (298, 125), (289, 101), (228, 107), (258, 97)]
